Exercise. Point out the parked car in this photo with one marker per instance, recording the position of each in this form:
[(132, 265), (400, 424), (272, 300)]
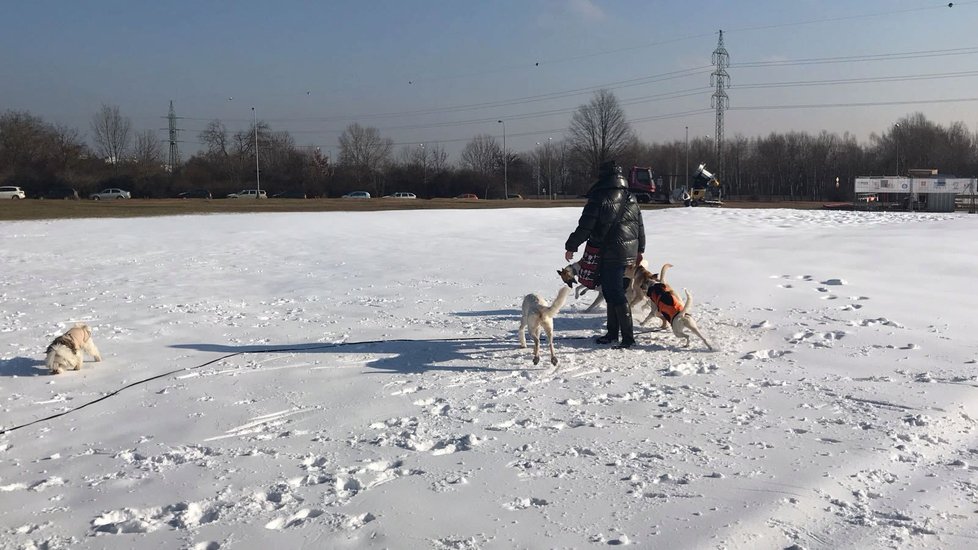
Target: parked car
[(357, 195), (110, 193), (11, 192), (289, 195), (195, 194), (401, 195), (249, 194), (471, 196), (515, 196), (65, 193)]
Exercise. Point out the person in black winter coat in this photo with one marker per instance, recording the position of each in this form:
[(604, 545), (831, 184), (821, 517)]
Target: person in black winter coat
[(612, 221)]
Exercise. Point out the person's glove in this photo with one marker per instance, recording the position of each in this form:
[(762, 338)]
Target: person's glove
[(569, 255)]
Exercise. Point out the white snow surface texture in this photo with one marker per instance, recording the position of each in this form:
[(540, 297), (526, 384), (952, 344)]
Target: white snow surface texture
[(353, 380)]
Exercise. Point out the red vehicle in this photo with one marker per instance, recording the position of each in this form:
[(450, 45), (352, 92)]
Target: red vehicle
[(646, 187)]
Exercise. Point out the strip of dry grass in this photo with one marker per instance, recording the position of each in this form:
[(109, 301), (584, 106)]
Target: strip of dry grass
[(40, 209)]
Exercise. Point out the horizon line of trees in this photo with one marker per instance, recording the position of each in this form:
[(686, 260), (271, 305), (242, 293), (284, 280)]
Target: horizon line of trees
[(41, 157)]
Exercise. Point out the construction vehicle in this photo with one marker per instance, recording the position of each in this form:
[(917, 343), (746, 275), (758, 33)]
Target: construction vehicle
[(648, 187), (705, 191)]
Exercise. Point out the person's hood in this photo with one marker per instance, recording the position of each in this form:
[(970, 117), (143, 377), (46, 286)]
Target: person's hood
[(612, 182)]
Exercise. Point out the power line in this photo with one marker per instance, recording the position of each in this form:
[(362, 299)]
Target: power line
[(864, 80), (858, 58), (853, 104), (636, 82), (641, 81), (698, 36)]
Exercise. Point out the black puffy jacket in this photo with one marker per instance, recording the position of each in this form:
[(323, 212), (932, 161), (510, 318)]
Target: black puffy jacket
[(620, 243)]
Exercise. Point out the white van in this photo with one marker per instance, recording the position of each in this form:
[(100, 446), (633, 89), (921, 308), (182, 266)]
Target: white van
[(249, 194)]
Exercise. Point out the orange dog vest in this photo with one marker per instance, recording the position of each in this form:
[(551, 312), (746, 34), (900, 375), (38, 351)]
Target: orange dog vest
[(665, 300)]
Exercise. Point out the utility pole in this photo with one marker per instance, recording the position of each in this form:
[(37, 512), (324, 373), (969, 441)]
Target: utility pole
[(719, 101), (257, 171), (505, 162), (173, 157), (687, 158), (550, 166)]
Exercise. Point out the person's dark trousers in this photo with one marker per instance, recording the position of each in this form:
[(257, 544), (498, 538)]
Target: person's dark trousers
[(613, 285), (624, 314)]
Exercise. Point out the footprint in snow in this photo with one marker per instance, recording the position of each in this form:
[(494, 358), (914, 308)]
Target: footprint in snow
[(765, 354)]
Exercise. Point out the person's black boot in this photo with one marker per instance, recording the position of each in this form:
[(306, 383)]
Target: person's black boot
[(612, 336), (624, 314)]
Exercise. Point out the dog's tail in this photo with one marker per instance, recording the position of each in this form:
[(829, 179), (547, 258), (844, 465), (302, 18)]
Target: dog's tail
[(662, 272), (558, 301), (687, 307)]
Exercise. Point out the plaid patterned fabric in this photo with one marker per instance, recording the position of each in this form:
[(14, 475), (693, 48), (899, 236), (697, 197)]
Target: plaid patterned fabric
[(588, 274)]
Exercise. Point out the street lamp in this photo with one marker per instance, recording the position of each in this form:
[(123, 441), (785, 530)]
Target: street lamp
[(550, 164), (424, 170), (687, 157), (505, 162), (538, 170), (896, 140), (257, 172)]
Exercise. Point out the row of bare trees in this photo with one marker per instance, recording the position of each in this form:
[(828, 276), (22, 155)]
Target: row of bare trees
[(795, 165)]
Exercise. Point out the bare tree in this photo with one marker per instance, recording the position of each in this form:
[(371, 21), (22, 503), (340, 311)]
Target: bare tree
[(68, 146), (215, 138), (22, 140), (222, 154), (111, 133), (599, 130), (148, 149), (364, 151), (437, 159), (482, 154)]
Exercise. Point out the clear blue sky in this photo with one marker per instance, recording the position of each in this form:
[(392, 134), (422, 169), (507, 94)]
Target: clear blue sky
[(443, 71)]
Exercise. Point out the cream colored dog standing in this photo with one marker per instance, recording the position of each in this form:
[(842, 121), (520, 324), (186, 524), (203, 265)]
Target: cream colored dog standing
[(538, 315), (65, 352)]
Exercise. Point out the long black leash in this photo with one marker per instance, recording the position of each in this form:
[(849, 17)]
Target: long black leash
[(259, 350)]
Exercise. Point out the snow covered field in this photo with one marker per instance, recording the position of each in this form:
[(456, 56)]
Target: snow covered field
[(352, 380)]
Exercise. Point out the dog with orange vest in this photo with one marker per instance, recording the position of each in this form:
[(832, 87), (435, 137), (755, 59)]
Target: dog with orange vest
[(667, 306)]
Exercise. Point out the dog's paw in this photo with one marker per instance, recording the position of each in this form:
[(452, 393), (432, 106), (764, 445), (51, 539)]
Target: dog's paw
[(553, 361), (57, 371), (98, 358), (536, 360)]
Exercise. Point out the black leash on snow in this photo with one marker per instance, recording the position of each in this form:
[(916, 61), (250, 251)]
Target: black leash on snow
[(259, 350)]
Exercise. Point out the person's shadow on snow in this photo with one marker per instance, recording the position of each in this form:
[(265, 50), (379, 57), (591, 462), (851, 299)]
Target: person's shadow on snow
[(395, 356), (415, 356), (22, 366)]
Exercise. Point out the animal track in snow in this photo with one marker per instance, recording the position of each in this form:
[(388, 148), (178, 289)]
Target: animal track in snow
[(294, 520), (765, 354), (524, 503), (816, 339), (178, 516), (878, 321)]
